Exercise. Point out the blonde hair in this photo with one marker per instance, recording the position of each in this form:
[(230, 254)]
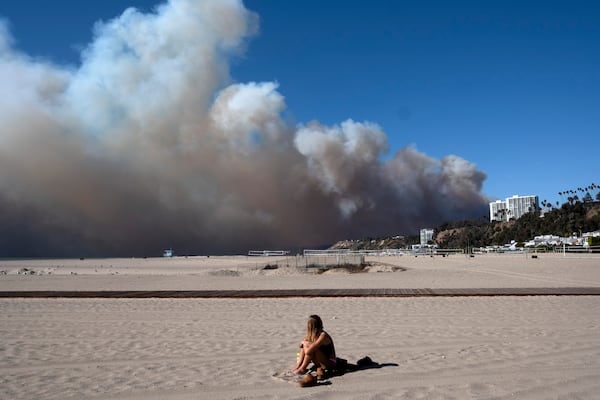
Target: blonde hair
[(314, 327)]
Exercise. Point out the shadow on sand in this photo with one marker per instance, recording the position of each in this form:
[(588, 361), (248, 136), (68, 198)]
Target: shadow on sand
[(319, 377), (343, 367)]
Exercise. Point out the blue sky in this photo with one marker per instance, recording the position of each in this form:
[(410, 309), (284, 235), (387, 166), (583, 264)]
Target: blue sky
[(512, 86)]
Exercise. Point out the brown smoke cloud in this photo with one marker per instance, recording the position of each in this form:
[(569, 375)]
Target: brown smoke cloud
[(147, 145)]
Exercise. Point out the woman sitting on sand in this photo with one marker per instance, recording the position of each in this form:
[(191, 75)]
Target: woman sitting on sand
[(317, 347)]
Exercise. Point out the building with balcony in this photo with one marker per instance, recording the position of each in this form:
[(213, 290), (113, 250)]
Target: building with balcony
[(498, 210), (513, 207)]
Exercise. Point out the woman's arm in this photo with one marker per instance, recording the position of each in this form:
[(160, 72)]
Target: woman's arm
[(323, 339)]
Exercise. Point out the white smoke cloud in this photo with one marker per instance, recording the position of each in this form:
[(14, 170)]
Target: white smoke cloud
[(148, 144), (244, 113), (342, 157)]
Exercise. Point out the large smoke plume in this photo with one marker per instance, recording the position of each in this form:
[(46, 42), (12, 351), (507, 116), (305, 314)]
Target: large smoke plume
[(147, 144)]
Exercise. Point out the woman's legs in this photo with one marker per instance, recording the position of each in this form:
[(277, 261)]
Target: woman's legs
[(312, 355), (301, 358), (321, 360)]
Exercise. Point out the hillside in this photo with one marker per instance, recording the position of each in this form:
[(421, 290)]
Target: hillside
[(573, 217)]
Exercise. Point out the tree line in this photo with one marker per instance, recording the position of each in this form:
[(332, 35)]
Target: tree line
[(572, 195)]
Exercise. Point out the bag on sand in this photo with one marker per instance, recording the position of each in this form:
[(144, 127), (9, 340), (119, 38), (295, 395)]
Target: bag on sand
[(308, 380)]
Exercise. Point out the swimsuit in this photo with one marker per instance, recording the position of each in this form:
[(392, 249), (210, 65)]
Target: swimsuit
[(329, 350)]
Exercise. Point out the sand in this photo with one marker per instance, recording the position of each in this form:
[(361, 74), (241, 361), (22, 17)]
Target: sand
[(510, 347)]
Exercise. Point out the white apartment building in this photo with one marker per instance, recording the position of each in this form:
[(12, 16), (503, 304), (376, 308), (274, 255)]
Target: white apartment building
[(498, 210), (513, 207), (426, 236)]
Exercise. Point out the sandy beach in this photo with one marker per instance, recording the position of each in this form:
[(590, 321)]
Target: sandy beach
[(509, 347)]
